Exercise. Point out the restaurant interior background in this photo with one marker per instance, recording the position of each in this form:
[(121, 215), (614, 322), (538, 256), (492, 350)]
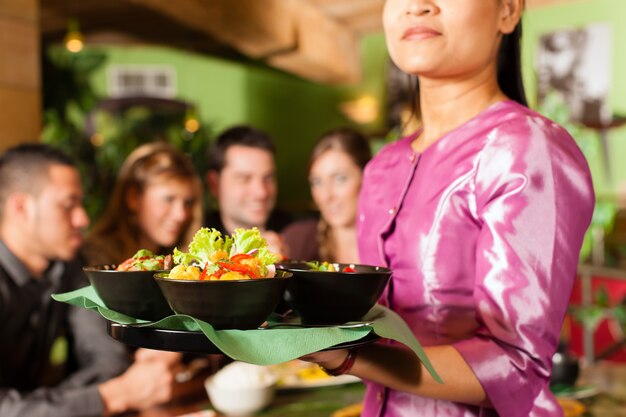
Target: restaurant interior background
[(198, 83)]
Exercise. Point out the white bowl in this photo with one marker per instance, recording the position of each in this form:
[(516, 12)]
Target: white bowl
[(239, 398)]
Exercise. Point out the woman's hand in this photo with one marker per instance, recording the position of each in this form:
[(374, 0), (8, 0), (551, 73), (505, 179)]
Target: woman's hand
[(329, 359)]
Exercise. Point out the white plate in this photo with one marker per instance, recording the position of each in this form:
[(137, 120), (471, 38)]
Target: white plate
[(290, 375)]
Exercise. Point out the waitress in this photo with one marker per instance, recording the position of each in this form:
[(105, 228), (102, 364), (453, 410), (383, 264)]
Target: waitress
[(480, 214)]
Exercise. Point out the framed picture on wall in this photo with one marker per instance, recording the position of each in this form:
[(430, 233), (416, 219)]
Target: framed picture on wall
[(576, 63)]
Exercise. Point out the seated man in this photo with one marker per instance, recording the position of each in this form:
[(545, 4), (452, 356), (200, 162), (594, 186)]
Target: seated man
[(242, 178), (56, 359)]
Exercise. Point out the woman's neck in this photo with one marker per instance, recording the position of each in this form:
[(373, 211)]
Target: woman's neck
[(345, 244), (447, 105)]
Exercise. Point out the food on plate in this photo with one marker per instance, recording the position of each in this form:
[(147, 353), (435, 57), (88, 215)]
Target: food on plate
[(328, 267), (297, 373), (211, 256), (145, 260), (571, 407)]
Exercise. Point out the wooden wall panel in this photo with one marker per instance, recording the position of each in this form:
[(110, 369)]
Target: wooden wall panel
[(20, 117), (20, 69), (19, 53), (22, 9)]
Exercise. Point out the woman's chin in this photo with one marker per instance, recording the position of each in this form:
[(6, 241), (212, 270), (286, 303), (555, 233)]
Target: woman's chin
[(340, 222)]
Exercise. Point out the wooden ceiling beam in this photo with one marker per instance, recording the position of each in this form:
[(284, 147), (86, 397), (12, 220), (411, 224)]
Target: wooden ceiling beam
[(327, 52), (292, 35), (256, 28), (362, 16)]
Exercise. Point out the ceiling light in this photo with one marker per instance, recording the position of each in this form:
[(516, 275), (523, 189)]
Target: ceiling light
[(73, 38), (362, 110)]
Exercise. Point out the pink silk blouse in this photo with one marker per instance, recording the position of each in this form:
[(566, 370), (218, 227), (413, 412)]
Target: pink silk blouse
[(482, 231)]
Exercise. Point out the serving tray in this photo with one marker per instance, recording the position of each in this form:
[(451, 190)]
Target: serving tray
[(187, 341)]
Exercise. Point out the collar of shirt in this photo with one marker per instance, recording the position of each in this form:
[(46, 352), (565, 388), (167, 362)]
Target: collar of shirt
[(18, 272)]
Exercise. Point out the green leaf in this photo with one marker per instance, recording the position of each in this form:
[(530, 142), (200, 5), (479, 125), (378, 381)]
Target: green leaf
[(620, 314), (602, 297), (589, 316), (314, 265), (206, 242)]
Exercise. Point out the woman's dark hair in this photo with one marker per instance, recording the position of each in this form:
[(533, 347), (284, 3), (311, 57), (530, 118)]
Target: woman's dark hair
[(510, 66), (347, 140)]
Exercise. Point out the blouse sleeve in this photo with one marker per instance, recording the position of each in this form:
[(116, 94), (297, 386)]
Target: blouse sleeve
[(533, 202)]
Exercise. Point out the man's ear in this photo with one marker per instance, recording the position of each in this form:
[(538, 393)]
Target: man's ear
[(510, 15), (213, 181), (19, 205)]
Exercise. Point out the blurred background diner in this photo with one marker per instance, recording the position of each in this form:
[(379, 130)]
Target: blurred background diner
[(335, 171), (156, 204), (242, 180), (111, 84)]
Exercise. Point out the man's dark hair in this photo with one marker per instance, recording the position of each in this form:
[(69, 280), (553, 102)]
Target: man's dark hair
[(23, 167), (238, 135)]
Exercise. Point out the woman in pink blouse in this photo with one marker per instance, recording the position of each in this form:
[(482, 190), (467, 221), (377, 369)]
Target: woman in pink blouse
[(480, 215)]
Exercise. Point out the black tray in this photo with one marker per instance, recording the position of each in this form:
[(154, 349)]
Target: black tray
[(185, 341)]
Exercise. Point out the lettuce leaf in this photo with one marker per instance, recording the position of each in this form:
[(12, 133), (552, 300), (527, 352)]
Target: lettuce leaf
[(266, 257), (204, 244), (182, 258), (207, 242), (143, 253), (247, 240)]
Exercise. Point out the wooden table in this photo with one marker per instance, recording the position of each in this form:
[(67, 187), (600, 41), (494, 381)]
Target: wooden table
[(610, 377), (318, 402), (322, 402)]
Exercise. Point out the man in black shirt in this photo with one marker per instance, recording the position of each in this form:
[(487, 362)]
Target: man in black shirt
[(242, 178), (55, 359)]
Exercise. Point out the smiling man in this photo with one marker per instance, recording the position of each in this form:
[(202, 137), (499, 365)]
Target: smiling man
[(242, 178)]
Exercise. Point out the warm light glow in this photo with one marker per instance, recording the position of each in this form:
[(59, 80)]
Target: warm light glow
[(97, 140), (363, 110), (192, 125), (74, 39), (74, 45)]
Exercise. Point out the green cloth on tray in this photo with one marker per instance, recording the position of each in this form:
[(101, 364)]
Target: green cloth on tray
[(265, 346)]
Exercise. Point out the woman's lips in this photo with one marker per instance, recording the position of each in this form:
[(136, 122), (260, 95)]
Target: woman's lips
[(419, 32)]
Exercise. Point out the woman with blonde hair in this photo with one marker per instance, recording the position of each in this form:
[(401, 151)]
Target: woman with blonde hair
[(156, 205), (335, 171)]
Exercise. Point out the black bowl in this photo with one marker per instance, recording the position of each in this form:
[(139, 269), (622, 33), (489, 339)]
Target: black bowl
[(334, 297), (236, 304), (134, 293), (565, 368)]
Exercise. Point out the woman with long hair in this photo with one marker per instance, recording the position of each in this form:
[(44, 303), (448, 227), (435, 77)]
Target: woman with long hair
[(156, 204), (480, 214), (335, 172)]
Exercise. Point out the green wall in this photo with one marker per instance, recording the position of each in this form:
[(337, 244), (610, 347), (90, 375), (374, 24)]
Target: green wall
[(578, 14), (294, 111)]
